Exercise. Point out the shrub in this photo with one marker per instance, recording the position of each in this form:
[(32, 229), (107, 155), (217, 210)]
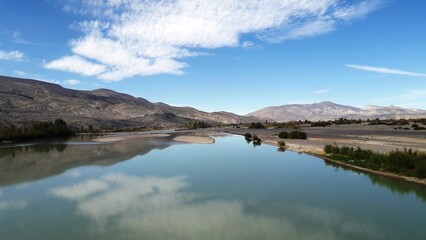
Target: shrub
[(419, 128), (407, 162), (415, 126), (281, 146), (255, 138), (298, 135), (321, 124), (256, 125), (197, 125), (283, 135), (248, 136)]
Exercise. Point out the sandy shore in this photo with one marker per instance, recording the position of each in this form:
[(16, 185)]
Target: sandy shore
[(121, 137), (376, 138), (195, 139)]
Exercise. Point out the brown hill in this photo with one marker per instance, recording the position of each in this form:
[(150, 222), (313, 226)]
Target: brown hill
[(23, 101)]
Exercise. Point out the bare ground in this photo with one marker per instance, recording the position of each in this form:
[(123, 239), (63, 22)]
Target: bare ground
[(376, 138)]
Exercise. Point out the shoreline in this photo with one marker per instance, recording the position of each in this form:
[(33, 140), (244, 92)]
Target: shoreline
[(197, 139), (320, 154), (312, 147), (370, 171), (121, 137)]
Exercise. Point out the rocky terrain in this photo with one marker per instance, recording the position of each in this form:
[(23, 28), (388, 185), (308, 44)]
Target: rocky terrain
[(332, 111), (23, 101)]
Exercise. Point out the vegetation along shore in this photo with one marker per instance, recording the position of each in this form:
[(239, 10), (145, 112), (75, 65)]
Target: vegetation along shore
[(371, 148)]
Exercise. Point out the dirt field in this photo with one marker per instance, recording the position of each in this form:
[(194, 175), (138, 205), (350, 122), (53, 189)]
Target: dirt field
[(378, 138)]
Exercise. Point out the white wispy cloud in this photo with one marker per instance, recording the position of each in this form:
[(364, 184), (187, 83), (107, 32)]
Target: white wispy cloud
[(72, 82), (127, 38), (17, 38), (11, 55), (385, 70), (414, 94), (46, 80), (412, 98), (321, 91), (76, 64), (20, 73), (251, 45)]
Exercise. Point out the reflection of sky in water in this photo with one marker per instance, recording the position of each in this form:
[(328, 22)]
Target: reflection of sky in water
[(228, 190), (157, 207)]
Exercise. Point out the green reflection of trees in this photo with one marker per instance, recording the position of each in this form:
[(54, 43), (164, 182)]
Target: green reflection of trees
[(396, 186), (399, 187)]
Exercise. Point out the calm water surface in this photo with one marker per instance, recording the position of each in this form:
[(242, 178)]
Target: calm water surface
[(157, 189)]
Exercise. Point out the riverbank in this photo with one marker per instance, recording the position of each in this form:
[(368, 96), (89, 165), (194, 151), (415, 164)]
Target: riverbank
[(373, 138), (193, 137), (366, 170), (130, 136), (381, 138)]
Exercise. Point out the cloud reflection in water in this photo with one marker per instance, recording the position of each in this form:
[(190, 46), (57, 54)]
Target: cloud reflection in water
[(162, 208)]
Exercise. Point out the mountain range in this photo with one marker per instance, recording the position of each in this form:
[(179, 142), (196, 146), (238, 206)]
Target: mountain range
[(331, 111), (23, 101)]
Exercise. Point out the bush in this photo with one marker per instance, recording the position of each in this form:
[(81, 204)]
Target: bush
[(415, 126), (298, 135), (419, 128), (256, 125), (248, 136), (281, 146), (197, 125), (283, 135), (255, 138), (407, 162), (321, 124)]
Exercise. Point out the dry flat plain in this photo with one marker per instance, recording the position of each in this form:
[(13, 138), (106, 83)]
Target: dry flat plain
[(379, 138)]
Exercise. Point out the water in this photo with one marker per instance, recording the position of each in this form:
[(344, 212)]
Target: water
[(157, 189)]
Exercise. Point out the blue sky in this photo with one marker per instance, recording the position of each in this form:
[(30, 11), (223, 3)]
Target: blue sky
[(227, 55)]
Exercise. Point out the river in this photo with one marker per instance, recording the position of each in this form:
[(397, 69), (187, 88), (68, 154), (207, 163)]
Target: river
[(160, 189)]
